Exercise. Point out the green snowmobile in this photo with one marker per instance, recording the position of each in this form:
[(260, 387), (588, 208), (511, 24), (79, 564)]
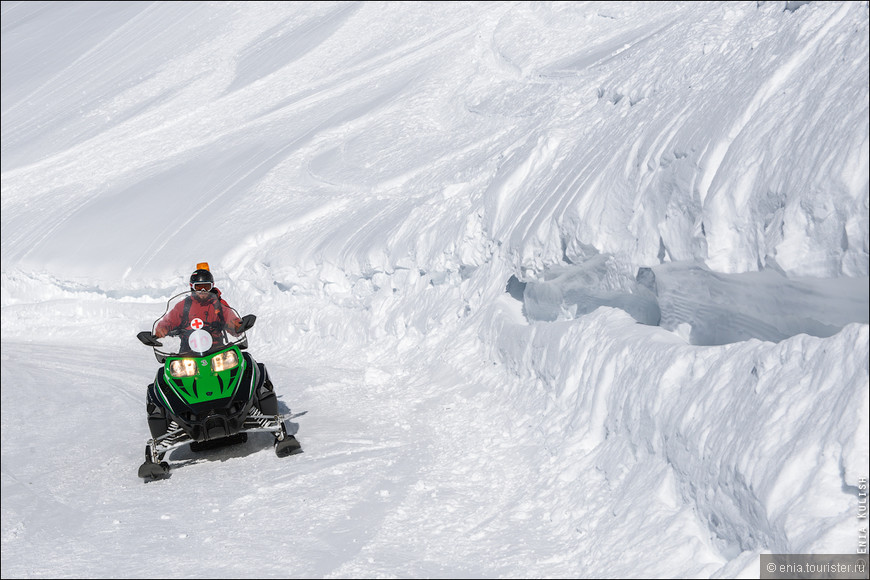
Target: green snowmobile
[(209, 391)]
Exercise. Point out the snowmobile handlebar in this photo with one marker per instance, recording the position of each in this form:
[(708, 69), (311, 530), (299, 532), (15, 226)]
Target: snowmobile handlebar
[(148, 339), (247, 322)]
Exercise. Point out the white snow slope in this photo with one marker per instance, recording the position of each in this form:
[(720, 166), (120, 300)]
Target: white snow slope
[(563, 289)]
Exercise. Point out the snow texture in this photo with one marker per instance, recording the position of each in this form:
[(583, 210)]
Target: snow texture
[(563, 289)]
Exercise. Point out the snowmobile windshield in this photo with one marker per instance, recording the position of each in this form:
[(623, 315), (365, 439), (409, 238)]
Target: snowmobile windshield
[(195, 324)]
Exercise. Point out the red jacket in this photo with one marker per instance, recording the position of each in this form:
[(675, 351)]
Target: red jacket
[(212, 314)]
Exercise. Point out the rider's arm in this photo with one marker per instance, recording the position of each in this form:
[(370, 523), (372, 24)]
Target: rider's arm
[(233, 322), (169, 321)]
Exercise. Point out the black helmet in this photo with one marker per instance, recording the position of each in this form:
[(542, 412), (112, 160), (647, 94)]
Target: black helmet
[(201, 276)]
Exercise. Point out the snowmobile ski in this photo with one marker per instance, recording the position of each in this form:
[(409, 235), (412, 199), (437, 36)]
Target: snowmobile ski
[(152, 469), (287, 446)]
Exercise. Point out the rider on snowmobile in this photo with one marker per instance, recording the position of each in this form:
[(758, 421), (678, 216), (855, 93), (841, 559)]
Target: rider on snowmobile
[(205, 308)]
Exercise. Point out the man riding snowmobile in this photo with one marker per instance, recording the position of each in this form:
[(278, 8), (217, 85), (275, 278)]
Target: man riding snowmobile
[(210, 391)]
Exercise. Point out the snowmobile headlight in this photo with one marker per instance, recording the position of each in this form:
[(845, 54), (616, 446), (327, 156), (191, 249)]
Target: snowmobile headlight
[(224, 361), (185, 367)]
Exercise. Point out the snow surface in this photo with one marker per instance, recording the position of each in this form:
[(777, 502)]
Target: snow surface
[(563, 289)]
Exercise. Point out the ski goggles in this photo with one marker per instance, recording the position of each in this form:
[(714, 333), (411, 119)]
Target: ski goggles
[(203, 286)]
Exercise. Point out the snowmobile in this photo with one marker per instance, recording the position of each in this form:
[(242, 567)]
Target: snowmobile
[(209, 391)]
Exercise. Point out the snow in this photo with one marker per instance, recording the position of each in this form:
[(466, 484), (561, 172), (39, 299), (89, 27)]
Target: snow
[(562, 289)]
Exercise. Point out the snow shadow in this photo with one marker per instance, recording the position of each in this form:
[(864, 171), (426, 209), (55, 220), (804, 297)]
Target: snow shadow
[(704, 307)]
